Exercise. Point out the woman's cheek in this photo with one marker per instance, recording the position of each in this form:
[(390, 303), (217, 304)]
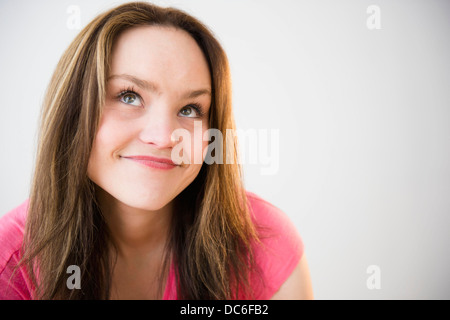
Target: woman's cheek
[(190, 145)]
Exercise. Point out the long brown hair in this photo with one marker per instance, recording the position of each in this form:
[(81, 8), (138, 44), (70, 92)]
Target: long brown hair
[(212, 232)]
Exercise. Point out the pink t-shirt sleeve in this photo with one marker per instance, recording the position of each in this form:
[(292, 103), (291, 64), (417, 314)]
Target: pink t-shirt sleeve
[(280, 250), (14, 283)]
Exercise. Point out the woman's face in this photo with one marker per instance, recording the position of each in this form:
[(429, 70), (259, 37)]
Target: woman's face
[(159, 81)]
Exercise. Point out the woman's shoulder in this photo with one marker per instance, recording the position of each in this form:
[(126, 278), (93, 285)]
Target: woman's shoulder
[(270, 220), (12, 226), (280, 247)]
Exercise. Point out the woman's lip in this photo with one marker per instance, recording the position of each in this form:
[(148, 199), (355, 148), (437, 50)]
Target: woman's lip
[(153, 162)]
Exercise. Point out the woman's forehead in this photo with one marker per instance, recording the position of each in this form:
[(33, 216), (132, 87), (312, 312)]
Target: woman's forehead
[(160, 54)]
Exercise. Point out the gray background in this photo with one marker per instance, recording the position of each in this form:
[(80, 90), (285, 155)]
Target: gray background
[(363, 117)]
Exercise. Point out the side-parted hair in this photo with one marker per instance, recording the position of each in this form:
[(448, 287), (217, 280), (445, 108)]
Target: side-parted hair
[(212, 231)]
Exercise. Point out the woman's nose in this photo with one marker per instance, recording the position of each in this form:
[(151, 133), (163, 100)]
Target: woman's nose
[(157, 127)]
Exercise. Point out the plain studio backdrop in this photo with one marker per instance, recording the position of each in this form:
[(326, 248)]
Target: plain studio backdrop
[(359, 95)]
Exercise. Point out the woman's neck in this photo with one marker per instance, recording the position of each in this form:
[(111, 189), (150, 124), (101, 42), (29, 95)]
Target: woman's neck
[(139, 238), (136, 233)]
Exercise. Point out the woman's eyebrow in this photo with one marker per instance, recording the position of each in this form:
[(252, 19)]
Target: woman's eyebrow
[(143, 84), (152, 87), (197, 93)]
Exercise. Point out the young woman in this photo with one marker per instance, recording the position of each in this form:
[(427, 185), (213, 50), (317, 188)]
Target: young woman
[(111, 198)]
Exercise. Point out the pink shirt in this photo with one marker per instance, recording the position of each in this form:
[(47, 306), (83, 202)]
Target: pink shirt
[(278, 256)]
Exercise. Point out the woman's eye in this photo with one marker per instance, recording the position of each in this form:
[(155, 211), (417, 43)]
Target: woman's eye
[(131, 98), (190, 112)]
